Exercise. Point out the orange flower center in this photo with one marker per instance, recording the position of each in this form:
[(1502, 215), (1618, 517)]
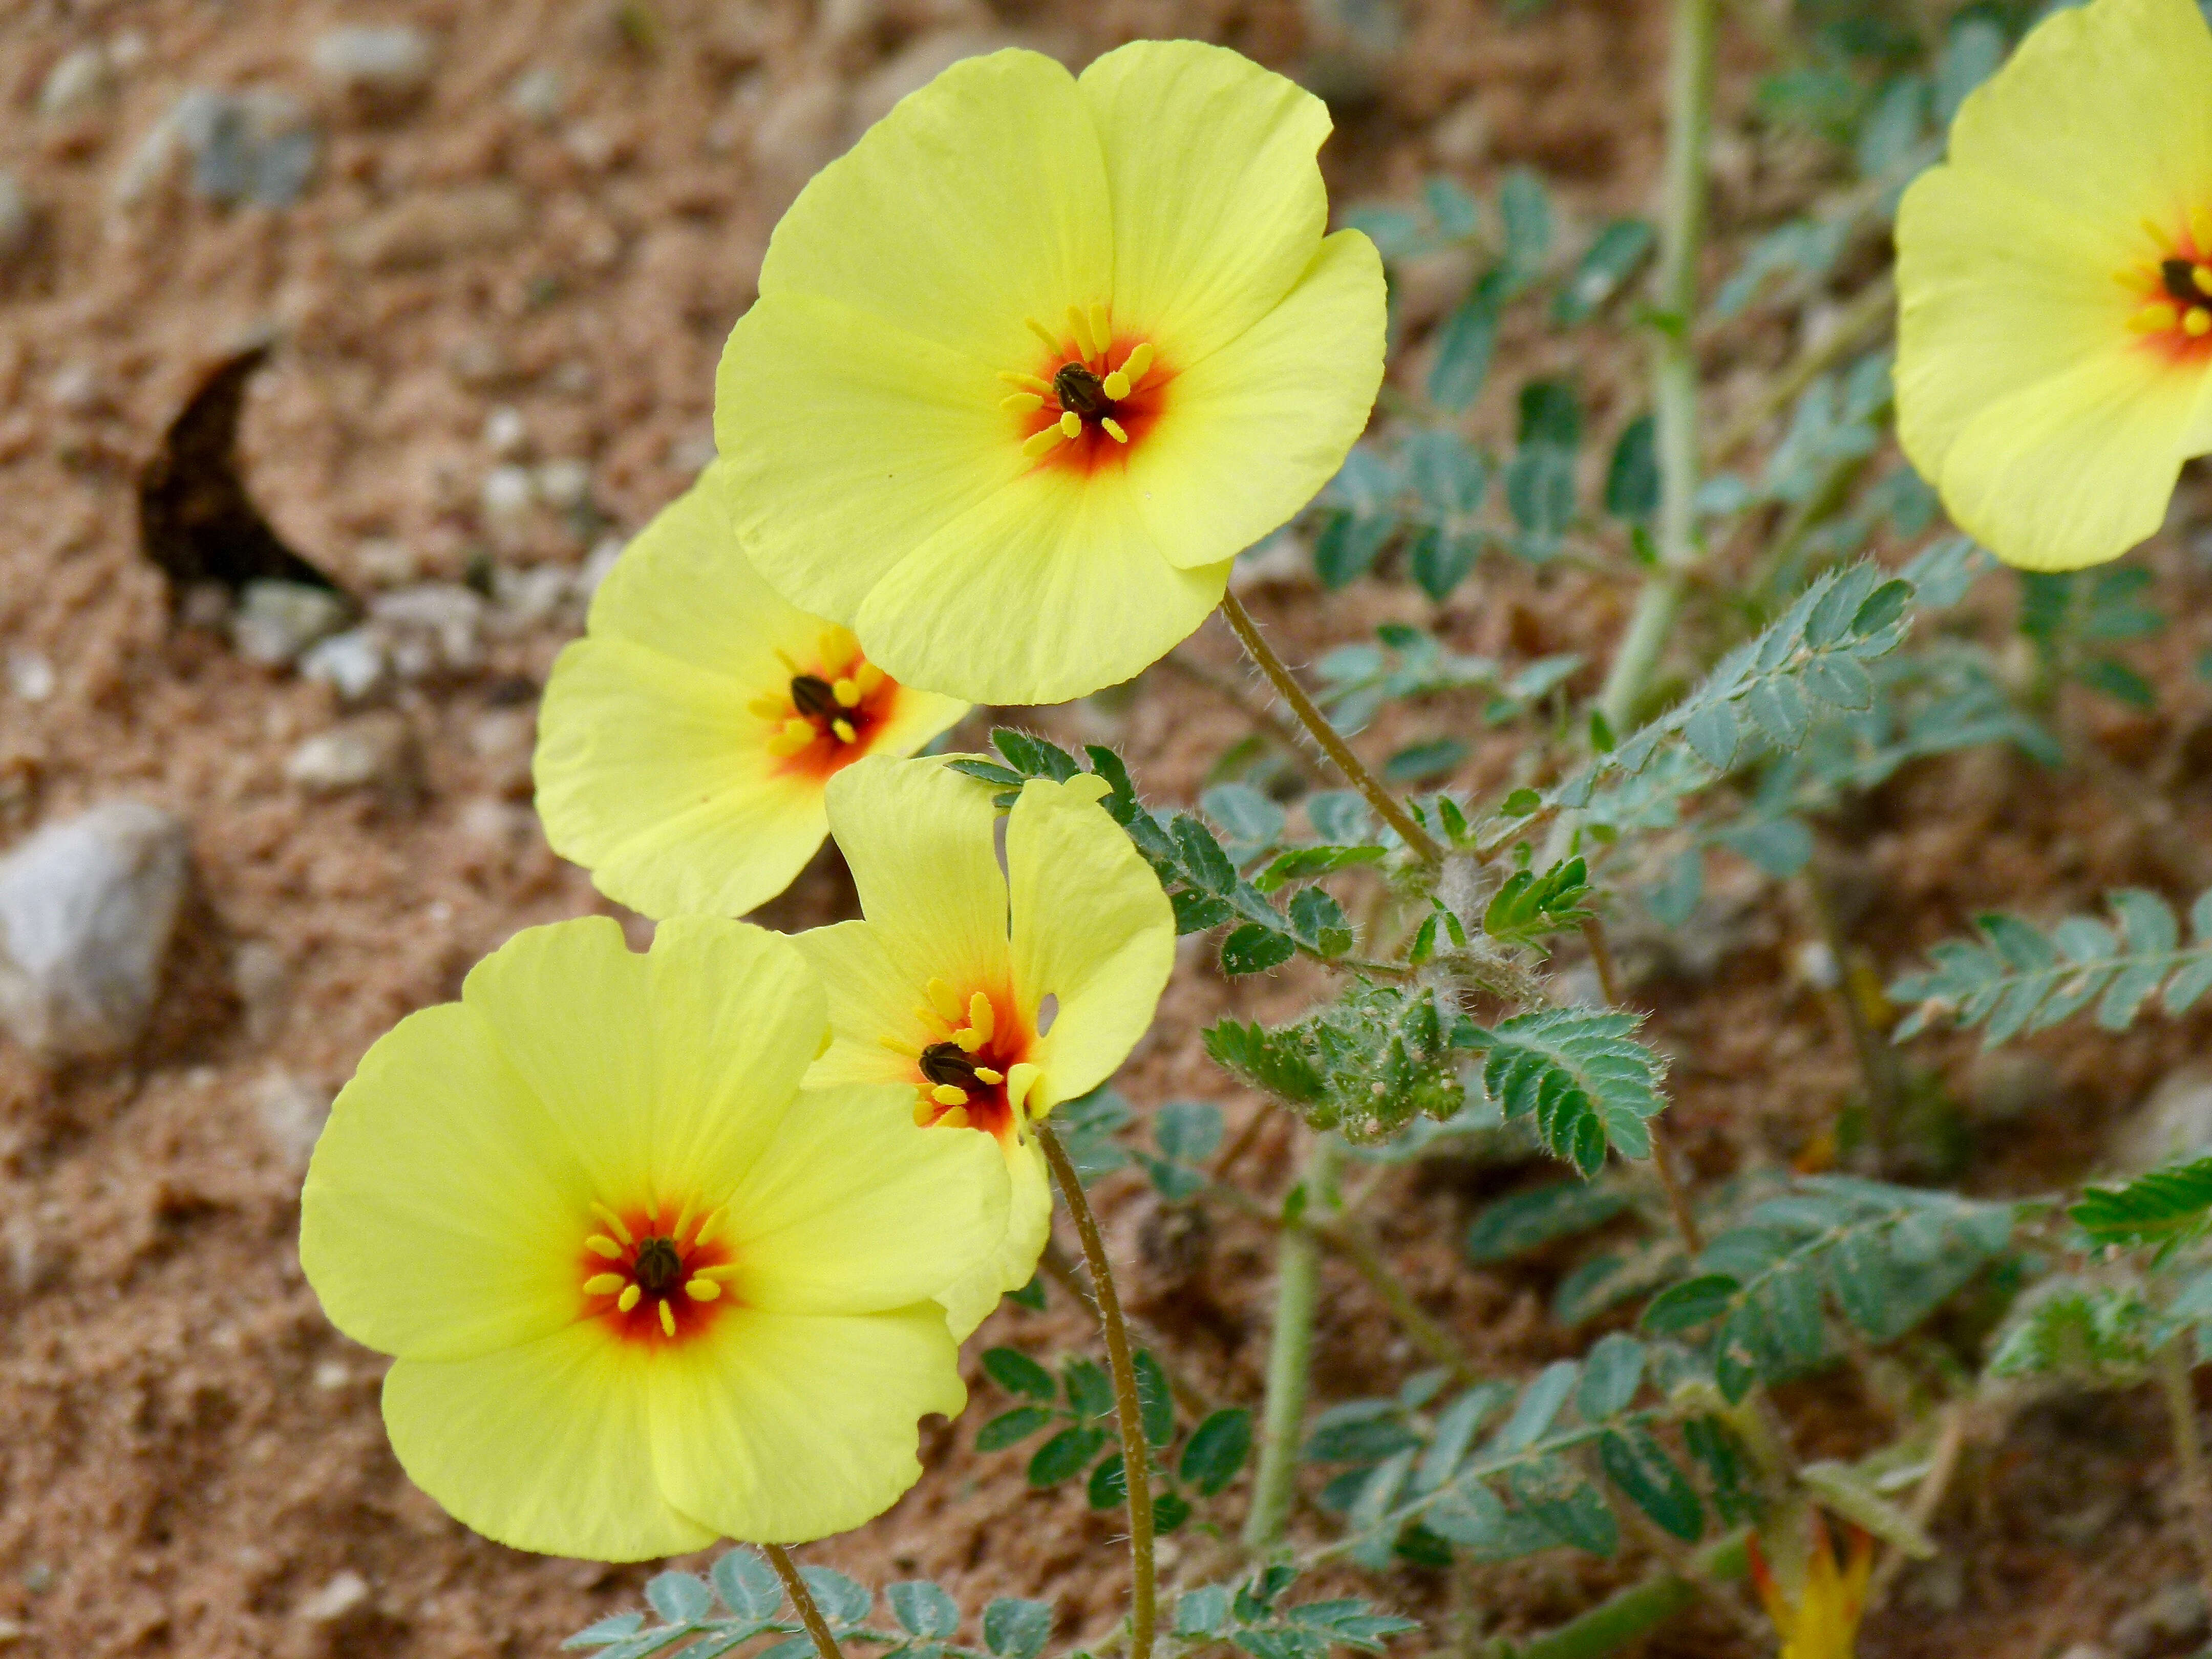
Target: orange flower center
[(1098, 393), (977, 1075), (2174, 314), (829, 711), (653, 1284)]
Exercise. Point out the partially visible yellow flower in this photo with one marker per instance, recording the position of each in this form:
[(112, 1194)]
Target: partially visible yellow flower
[(643, 1290), (2055, 281), (1039, 355), (1822, 1621), (685, 742), (991, 996)]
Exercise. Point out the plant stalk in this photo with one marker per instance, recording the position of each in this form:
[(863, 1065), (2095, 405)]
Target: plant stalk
[(2174, 1381), (1289, 1354), (1674, 360), (1128, 1414), (1663, 1135), (794, 1586), (1247, 633)]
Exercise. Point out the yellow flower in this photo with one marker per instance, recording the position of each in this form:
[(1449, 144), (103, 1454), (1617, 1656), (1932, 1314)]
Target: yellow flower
[(1823, 1621), (685, 742), (642, 1290), (2055, 287), (1039, 355), (991, 996)]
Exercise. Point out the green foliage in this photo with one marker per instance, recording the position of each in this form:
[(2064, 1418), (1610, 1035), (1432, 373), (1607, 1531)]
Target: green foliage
[(1580, 1075), (2165, 1209), (1187, 1132), (2070, 615), (1528, 1221), (1528, 907), (1253, 1617), (1885, 1256), (2014, 978), (1364, 1066), (1407, 662), (2103, 1334)]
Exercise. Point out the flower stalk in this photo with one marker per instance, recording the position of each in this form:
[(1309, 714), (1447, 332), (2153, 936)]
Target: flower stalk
[(1128, 1415), (1290, 1352), (1673, 361), (2180, 1392), (794, 1586)]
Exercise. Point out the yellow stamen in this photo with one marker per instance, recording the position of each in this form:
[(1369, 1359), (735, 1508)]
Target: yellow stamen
[(798, 731), (837, 645), (682, 1220), (1101, 335), (783, 746), (604, 1284), (981, 1015), (949, 1094), (2202, 276), (844, 730), (1071, 424), (848, 692), (1080, 326), (769, 708), (702, 1290), (614, 1223), (867, 677), (667, 1320), (2155, 317), (1115, 385), (629, 1297), (1112, 429), (2156, 232), (709, 1224), (1053, 345), (1029, 382), (600, 1244), (968, 1039), (1139, 362), (2196, 322), (954, 1119), (925, 1114), (943, 998), (1045, 440), (1023, 403), (985, 1074), (727, 1270), (788, 661), (898, 1048)]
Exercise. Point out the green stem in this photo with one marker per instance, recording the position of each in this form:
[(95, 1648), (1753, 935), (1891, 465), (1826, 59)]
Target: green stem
[(1289, 1353), (1673, 361), (2174, 1381), (1128, 1411), (825, 1644), (1637, 1611), (1332, 745)]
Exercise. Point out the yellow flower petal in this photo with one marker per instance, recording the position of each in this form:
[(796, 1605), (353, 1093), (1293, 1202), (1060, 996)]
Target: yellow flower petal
[(1218, 203), (653, 770), (853, 1210), (778, 1428), (1079, 594), (871, 1006), (443, 1210), (1249, 435), (920, 840), (1091, 928), (547, 1446), (977, 201), (970, 1301)]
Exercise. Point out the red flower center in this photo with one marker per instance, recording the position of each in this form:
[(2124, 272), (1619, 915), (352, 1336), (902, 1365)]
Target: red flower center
[(654, 1284)]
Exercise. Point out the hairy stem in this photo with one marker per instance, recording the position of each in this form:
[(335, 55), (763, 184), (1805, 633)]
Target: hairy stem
[(1663, 1135), (2173, 1376), (1332, 745), (1289, 1354), (1128, 1414), (825, 1644), (1673, 361)]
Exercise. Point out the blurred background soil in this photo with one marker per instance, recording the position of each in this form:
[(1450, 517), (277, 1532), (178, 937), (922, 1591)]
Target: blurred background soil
[(499, 245)]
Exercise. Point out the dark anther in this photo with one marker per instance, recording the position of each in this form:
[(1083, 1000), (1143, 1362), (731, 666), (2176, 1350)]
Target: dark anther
[(1081, 392), (2180, 277), (811, 695), (946, 1062), (658, 1263)]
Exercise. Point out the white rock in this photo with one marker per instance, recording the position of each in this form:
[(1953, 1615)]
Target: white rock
[(564, 485), (344, 1593), (373, 749), (352, 663), (87, 907), (509, 493), (30, 676), (263, 979), (82, 80), (431, 627), (537, 95), (76, 388), (392, 61), (527, 598), (274, 621), (506, 433), (292, 1112)]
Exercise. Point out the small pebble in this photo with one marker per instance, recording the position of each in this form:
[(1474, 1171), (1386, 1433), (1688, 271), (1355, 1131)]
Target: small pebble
[(509, 492), (390, 62), (537, 94), (76, 388), (564, 485), (30, 676), (83, 79), (352, 663), (274, 621), (375, 749), (506, 433), (18, 224), (292, 1113), (326, 1606)]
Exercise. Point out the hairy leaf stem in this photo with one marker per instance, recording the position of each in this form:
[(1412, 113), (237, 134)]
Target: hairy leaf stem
[(794, 1586), (1128, 1414), (2180, 1391), (1290, 1352), (1662, 1146), (1356, 773), (1674, 360)]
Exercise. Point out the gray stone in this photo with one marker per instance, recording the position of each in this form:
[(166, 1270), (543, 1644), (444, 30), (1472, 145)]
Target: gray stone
[(352, 663), (392, 62), (276, 621), (345, 1592), (30, 675), (258, 146), (374, 751), (564, 485), (506, 433), (537, 95), (82, 80), (87, 907), (292, 1113), (262, 979), (431, 627), (2171, 1615), (2175, 1121), (2085, 1650), (424, 228)]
